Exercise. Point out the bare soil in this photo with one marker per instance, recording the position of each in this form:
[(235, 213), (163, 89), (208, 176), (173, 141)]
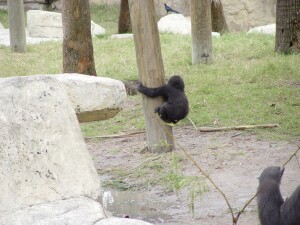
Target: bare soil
[(233, 160)]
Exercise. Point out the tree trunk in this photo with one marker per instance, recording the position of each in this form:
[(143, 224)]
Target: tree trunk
[(151, 71), (78, 56), (287, 37), (201, 31), (124, 18), (218, 17), (16, 25)]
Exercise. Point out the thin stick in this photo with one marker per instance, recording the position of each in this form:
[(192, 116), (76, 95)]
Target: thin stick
[(293, 155), (245, 127), (242, 210), (192, 123), (116, 135), (208, 177)]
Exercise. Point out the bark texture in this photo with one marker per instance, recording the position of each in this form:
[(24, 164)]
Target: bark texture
[(201, 31), (287, 26), (78, 56), (218, 17), (124, 18)]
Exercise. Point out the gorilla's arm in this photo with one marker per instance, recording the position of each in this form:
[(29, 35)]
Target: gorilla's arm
[(153, 92)]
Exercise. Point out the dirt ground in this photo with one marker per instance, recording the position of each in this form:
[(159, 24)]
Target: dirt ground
[(233, 160)]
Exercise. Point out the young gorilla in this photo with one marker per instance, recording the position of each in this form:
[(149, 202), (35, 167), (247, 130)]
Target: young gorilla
[(269, 198), (176, 105)]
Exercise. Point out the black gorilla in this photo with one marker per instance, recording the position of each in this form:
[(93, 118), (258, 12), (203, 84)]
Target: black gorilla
[(290, 210), (176, 105), (271, 207), (269, 198)]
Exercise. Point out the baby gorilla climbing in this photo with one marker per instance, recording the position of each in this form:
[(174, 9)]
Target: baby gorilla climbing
[(176, 105)]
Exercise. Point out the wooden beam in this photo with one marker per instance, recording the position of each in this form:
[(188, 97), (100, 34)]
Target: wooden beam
[(16, 21), (151, 71), (201, 31)]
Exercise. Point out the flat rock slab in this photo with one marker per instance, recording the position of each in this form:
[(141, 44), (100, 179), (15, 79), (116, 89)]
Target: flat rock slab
[(93, 98), (4, 38), (74, 211), (267, 29), (45, 24)]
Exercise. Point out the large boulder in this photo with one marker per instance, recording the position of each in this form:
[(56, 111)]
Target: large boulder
[(43, 156), (45, 24), (47, 176)]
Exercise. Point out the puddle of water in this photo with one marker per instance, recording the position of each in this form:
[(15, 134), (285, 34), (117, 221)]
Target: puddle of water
[(138, 205)]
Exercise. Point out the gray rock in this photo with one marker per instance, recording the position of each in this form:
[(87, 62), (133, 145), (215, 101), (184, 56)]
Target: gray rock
[(177, 24), (43, 156), (4, 38), (74, 211), (96, 29), (45, 24), (121, 36), (267, 29)]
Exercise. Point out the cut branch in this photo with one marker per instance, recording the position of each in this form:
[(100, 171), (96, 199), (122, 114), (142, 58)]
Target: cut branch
[(245, 127), (116, 135)]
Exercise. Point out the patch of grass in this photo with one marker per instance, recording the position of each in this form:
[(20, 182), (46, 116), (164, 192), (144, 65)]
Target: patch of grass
[(116, 185), (247, 83), (107, 16), (4, 18), (175, 180)]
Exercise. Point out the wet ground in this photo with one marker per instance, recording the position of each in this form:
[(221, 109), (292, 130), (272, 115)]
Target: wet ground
[(234, 160)]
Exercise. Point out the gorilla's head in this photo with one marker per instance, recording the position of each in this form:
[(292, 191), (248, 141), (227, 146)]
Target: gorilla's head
[(177, 82)]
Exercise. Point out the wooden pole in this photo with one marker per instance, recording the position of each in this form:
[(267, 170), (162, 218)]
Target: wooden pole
[(16, 21), (78, 52), (201, 31), (151, 71)]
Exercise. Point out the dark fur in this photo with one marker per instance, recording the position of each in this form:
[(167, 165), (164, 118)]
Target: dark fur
[(269, 198), (290, 210), (176, 105)]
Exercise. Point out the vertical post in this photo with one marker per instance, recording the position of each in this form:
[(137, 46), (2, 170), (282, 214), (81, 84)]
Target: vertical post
[(16, 21), (78, 51), (201, 31), (151, 71), (287, 26)]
